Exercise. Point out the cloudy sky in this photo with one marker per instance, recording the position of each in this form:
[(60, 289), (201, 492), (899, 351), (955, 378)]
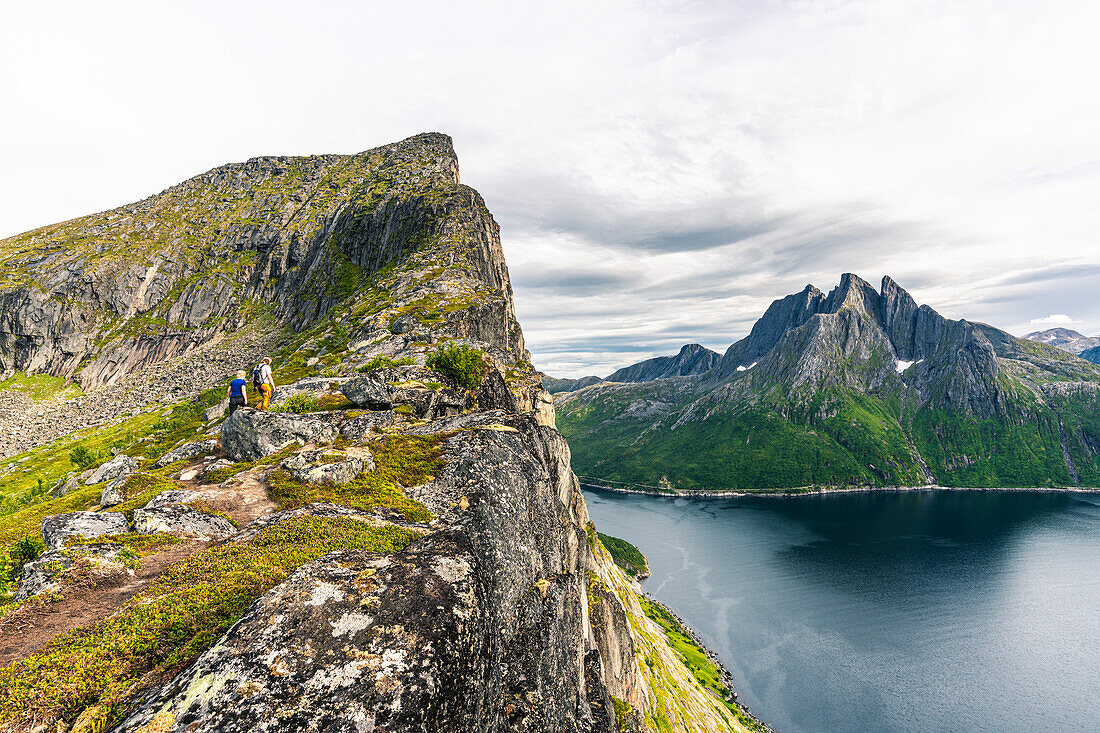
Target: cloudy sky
[(661, 170)]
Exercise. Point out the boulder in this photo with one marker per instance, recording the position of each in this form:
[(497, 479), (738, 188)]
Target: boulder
[(85, 524), (216, 466), (368, 392), (183, 521), (67, 484), (112, 469), (213, 413), (114, 492), (319, 466), (41, 575), (357, 427), (177, 496), (249, 434), (186, 451)]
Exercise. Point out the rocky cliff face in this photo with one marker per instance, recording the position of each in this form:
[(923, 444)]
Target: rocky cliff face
[(98, 297), (413, 550), (858, 386)]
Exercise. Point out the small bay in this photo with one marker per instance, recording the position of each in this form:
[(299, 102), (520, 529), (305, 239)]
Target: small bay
[(889, 611)]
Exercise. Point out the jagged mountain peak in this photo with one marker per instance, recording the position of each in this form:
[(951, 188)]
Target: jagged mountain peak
[(852, 292)]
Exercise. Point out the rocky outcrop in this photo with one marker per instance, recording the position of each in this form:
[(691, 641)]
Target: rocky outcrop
[(45, 574), (56, 529), (102, 296), (368, 392), (250, 434), (327, 467), (114, 492), (479, 626), (119, 466), (182, 521), (187, 451)]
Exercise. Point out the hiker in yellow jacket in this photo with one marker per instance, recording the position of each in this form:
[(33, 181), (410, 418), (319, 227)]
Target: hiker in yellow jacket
[(262, 381)]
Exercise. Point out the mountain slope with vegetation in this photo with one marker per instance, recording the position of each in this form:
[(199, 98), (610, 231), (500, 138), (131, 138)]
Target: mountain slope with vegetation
[(856, 387), (398, 544)]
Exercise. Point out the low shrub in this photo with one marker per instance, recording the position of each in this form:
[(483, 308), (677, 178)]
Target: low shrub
[(84, 457), (385, 362), (461, 364), (298, 404)]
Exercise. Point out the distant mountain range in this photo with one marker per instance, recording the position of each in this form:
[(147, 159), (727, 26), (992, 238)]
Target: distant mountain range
[(692, 359), (855, 387), (1067, 339)]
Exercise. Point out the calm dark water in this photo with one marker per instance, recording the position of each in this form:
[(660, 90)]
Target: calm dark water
[(921, 611)]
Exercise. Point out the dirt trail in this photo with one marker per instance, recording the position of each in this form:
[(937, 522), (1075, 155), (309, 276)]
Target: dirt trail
[(31, 626)]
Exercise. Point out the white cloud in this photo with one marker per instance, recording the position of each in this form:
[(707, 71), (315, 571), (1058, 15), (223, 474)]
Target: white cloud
[(689, 162), (1055, 319)]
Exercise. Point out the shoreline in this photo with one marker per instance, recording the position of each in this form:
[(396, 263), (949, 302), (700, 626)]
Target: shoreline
[(828, 490)]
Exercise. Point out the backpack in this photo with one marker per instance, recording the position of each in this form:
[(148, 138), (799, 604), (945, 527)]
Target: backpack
[(257, 379)]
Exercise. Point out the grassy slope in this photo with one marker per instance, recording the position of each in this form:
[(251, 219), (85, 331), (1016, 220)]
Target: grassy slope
[(626, 556)]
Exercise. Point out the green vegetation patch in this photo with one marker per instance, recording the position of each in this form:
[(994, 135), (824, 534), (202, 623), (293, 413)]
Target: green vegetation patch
[(140, 545), (696, 660), (385, 362), (626, 556), (112, 662), (461, 364), (40, 386), (400, 460), (140, 488)]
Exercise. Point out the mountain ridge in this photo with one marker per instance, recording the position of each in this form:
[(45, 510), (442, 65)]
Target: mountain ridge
[(691, 359), (859, 387)]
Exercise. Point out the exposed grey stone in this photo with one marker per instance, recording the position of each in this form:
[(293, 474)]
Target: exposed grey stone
[(117, 466), (320, 467), (493, 394), (186, 451), (213, 413), (86, 524), (367, 392), (249, 434), (183, 521), (216, 466), (41, 575), (357, 427), (176, 496), (114, 492), (310, 385), (67, 484)]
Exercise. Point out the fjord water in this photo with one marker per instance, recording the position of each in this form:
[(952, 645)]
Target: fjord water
[(882, 612)]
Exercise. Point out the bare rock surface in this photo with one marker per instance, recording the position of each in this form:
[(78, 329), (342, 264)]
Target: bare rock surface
[(114, 468), (182, 521), (326, 467), (56, 528), (187, 451), (251, 434), (368, 392)]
